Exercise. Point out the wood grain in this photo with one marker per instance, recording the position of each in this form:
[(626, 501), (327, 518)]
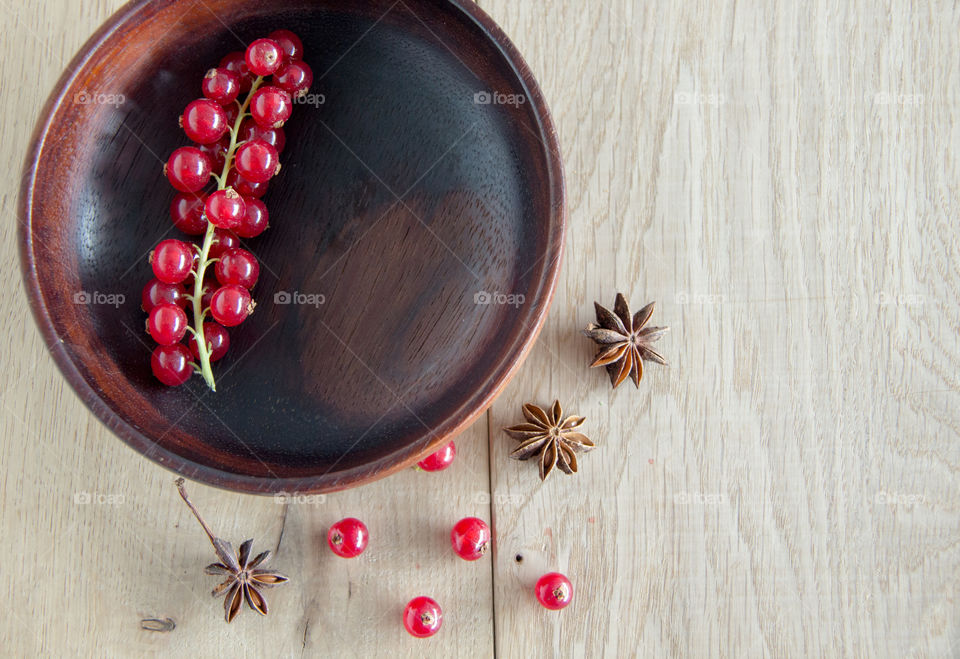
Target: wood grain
[(783, 182)]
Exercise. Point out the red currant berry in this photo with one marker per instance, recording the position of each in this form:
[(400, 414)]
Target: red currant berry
[(251, 130), (172, 261), (439, 460), (237, 266), (225, 208), (264, 57), (221, 85), (222, 241), (188, 169), (270, 106), (290, 44), (236, 64), (157, 292), (554, 591), (348, 537), (422, 617), (204, 121), (255, 220), (167, 324), (186, 211), (230, 305), (470, 538), (294, 78), (245, 187), (217, 338), (217, 153), (171, 364), (257, 161)]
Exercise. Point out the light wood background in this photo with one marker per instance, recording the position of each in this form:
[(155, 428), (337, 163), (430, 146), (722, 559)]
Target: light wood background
[(784, 183)]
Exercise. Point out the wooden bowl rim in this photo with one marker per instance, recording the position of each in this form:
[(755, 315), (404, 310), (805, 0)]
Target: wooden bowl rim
[(326, 482)]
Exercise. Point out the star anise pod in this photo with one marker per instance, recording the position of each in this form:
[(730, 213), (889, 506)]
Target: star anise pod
[(244, 577), (624, 341), (550, 436)]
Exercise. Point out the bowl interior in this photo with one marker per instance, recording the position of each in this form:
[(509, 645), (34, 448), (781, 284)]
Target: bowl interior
[(415, 230)]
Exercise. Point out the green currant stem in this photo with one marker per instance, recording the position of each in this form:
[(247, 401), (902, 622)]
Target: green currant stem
[(203, 351)]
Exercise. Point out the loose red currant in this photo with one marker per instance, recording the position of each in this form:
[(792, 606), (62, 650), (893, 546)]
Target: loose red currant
[(167, 324), (257, 161), (294, 78), (255, 220), (172, 261), (230, 305), (158, 292), (270, 106), (204, 121), (244, 186), (222, 241), (264, 57), (470, 538), (216, 152), (186, 211), (217, 339), (289, 43), (188, 169), (237, 266), (348, 537), (422, 617), (171, 364), (236, 64), (439, 460), (554, 591), (251, 130), (225, 208), (221, 85)]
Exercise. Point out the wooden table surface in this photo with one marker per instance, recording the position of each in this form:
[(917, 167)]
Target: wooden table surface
[(784, 183)]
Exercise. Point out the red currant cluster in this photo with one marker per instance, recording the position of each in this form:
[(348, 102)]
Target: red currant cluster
[(470, 539), (242, 140)]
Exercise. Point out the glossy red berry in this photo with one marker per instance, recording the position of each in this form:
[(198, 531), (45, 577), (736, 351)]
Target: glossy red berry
[(244, 186), (251, 130), (294, 78), (255, 219), (216, 152), (270, 106), (223, 240), (236, 64), (167, 324), (225, 208), (470, 538), (290, 44), (217, 339), (172, 261), (237, 266), (171, 364), (554, 591), (186, 211), (221, 85), (422, 617), (439, 460), (230, 305), (158, 292), (348, 537), (257, 161), (188, 169), (204, 121), (264, 57)]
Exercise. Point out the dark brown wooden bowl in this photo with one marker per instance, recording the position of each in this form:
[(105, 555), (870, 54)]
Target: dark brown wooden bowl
[(426, 183)]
